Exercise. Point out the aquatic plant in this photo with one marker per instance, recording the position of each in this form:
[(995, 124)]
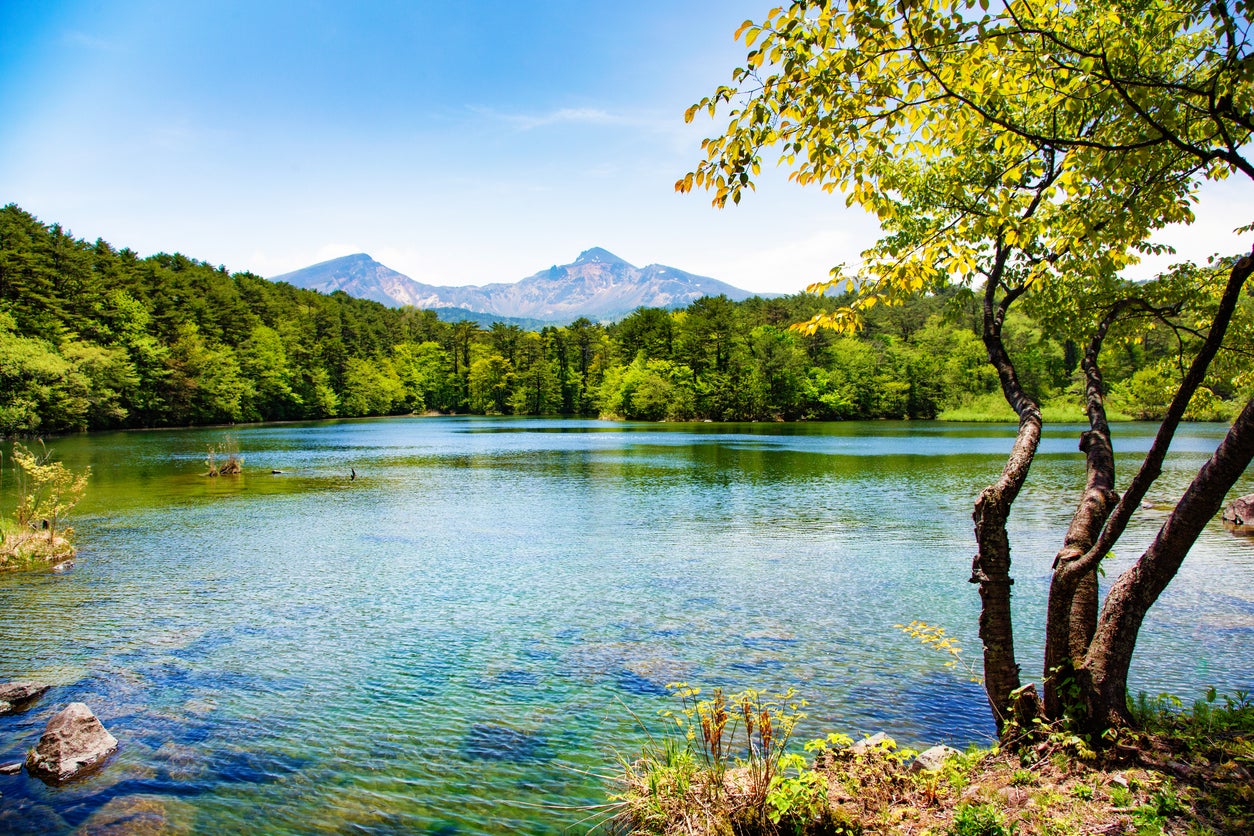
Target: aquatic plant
[(234, 463)]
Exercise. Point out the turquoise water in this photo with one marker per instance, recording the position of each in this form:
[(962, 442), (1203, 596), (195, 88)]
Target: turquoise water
[(461, 639)]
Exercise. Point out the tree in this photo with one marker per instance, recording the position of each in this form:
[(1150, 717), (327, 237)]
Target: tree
[(537, 382), (201, 383), (47, 491), (263, 359), (461, 338), (1032, 149), (371, 387), (778, 366), (29, 372), (488, 382), (424, 372)]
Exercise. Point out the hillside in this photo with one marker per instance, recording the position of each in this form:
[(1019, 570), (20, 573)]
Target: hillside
[(598, 285)]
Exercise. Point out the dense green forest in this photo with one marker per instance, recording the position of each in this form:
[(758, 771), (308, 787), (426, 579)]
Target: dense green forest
[(92, 337)]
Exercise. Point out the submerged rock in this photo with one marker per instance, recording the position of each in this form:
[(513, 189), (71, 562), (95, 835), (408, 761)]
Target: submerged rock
[(496, 742), (182, 763), (139, 815), (932, 759), (19, 696), (1239, 515), (73, 743), (23, 816)]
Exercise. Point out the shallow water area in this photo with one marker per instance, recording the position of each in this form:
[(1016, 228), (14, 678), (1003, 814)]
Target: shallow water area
[(460, 638)]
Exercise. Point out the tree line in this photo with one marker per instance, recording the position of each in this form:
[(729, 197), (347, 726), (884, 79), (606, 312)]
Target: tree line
[(92, 338)]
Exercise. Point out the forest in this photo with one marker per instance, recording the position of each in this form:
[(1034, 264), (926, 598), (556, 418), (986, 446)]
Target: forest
[(94, 338)]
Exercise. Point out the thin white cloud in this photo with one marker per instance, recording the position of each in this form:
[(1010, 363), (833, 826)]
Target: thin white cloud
[(578, 116), (329, 251), (92, 42), (562, 116)]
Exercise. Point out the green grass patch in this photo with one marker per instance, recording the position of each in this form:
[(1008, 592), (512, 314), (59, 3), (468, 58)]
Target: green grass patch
[(991, 408), (1182, 772)]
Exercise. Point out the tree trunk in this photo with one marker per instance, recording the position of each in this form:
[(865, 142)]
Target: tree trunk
[(1071, 617), (1151, 467), (1138, 588), (991, 565), (1071, 572)]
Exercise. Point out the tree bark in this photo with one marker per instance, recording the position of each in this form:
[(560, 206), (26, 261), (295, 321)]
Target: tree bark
[(1073, 570), (991, 566), (1110, 654), (1071, 616), (1151, 467)]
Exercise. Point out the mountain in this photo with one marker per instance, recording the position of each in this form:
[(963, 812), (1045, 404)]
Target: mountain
[(361, 276), (598, 285)]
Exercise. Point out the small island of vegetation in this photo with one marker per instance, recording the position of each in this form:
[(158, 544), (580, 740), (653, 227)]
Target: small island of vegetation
[(36, 533)]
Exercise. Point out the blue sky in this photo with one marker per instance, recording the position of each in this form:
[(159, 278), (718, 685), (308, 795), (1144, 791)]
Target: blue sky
[(456, 142)]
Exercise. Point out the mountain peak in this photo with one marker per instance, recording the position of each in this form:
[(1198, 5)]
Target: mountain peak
[(598, 255), (598, 285), (355, 258)]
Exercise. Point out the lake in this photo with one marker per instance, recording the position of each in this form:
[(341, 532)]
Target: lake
[(463, 638)]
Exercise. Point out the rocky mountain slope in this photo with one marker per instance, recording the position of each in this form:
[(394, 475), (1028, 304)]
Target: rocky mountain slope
[(598, 285)]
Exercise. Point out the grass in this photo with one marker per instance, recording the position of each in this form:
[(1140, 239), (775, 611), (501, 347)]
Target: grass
[(991, 408), (22, 547), (1183, 772)]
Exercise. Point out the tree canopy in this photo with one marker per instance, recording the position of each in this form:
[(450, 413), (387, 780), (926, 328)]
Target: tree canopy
[(1062, 132)]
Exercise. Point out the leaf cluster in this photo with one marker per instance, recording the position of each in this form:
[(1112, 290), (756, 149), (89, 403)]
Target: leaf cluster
[(1034, 144)]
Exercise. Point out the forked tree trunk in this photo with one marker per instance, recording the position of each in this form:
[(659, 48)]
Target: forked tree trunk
[(991, 565), (1071, 617), (1110, 654), (1103, 671)]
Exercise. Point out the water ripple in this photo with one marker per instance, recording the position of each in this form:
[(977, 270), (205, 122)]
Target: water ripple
[(462, 639)]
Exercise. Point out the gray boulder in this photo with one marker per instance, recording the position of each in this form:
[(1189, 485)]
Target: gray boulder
[(18, 696), (877, 741), (73, 742), (1239, 515), (932, 759)]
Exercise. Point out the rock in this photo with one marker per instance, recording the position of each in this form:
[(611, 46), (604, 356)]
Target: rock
[(19, 696), (1013, 796), (73, 742), (1240, 512), (182, 763), (932, 759), (25, 817), (138, 815), (879, 740), (1182, 770), (11, 768)]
